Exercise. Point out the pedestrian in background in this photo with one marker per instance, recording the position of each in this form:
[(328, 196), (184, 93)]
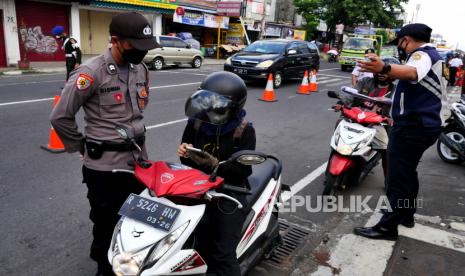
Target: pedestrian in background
[(416, 112), (113, 90), (357, 75), (454, 64), (73, 55)]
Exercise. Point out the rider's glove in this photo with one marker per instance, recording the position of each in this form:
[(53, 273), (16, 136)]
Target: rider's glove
[(203, 159)]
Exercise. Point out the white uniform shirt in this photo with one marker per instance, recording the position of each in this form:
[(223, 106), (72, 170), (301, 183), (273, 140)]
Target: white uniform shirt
[(421, 61), (360, 75), (455, 62)]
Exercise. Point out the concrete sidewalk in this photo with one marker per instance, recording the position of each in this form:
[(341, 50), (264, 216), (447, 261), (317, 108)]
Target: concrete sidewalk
[(59, 67)]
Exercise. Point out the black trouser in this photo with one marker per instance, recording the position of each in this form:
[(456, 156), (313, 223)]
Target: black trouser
[(405, 149), (70, 63), (452, 73), (220, 233), (106, 193)]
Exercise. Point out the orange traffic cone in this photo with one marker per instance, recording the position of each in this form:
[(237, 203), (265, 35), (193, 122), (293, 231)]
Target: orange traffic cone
[(313, 83), (304, 88), (268, 94), (54, 145)]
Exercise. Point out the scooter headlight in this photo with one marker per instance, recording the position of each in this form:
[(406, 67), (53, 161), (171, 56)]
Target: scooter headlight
[(344, 149), (161, 247), (125, 264)]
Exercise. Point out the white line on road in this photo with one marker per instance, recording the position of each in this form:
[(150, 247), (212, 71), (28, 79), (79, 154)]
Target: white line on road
[(30, 82), (166, 124), (175, 85), (328, 69), (50, 99), (29, 101), (326, 81), (304, 182), (337, 76)]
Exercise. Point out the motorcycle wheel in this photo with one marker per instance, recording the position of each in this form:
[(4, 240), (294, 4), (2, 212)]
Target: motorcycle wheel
[(446, 154), (331, 185)]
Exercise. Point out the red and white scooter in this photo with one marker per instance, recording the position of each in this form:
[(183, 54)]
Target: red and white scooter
[(352, 156), (156, 234)]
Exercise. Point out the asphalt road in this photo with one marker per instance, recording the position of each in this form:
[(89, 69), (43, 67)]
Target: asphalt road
[(43, 207)]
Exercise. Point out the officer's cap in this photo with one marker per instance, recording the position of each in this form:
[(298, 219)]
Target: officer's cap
[(416, 30), (135, 28)]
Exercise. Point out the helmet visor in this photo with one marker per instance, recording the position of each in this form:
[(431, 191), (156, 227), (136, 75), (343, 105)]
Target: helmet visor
[(209, 107)]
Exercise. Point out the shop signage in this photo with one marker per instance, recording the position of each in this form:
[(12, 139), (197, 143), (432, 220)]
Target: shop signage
[(229, 8), (235, 34), (161, 4), (272, 31), (189, 18), (211, 21), (300, 34), (180, 11)]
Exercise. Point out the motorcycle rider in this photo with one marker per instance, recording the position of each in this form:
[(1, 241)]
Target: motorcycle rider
[(358, 75), (217, 126)]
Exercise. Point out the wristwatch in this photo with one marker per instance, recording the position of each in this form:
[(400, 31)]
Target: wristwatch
[(386, 68)]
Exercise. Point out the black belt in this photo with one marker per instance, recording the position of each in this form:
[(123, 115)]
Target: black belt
[(111, 146), (96, 148)]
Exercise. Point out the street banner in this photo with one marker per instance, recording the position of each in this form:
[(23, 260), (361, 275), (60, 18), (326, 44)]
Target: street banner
[(189, 18), (229, 8)]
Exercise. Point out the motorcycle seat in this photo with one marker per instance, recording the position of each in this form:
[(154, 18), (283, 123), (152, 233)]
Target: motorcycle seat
[(261, 175)]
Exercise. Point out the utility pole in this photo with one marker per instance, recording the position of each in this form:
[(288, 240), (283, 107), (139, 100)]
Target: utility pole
[(262, 29)]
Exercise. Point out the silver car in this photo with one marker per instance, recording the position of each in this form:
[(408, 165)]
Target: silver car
[(173, 51)]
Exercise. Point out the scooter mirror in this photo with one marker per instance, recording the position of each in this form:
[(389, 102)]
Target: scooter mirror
[(333, 94), (125, 133), (249, 157)]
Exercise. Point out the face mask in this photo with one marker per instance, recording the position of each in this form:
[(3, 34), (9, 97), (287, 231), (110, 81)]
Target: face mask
[(133, 56), (401, 52)]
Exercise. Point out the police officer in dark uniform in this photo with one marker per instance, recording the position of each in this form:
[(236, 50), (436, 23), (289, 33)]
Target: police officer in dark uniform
[(416, 112), (217, 125), (113, 90), (73, 55)]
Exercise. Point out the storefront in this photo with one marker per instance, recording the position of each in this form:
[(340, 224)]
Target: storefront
[(35, 21), (95, 18)]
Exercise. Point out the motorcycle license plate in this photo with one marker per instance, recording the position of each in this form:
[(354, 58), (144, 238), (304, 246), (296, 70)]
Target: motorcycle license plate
[(150, 212)]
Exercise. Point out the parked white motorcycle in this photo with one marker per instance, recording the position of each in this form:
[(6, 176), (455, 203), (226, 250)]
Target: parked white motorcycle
[(352, 156), (156, 234)]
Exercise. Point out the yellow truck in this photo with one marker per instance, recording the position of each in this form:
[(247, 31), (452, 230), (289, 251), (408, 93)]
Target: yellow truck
[(355, 46)]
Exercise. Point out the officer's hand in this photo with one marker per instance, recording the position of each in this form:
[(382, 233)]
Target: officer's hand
[(182, 149), (389, 121), (76, 65), (375, 65)]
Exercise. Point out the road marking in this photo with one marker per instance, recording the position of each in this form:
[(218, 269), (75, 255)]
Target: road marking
[(28, 101), (304, 182), (328, 69), (175, 85), (30, 82), (326, 81), (356, 255), (50, 99), (338, 84), (337, 76), (166, 124)]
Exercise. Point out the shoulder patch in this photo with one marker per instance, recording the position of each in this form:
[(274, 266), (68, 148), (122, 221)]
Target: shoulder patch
[(416, 56), (83, 81)]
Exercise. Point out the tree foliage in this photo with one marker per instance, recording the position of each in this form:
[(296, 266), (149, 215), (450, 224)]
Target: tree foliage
[(380, 13)]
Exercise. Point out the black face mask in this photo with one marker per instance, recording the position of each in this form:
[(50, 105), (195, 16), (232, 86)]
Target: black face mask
[(401, 52), (133, 56)]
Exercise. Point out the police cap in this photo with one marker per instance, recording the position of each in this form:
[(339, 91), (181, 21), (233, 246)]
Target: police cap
[(135, 28), (417, 31)]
